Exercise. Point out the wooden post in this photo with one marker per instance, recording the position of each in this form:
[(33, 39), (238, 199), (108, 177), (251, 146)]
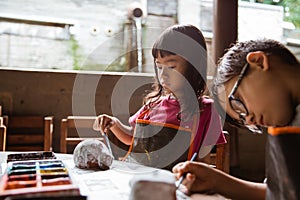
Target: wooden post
[(225, 17), (225, 32)]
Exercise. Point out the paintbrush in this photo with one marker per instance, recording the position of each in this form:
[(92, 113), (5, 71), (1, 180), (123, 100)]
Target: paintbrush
[(104, 134), (107, 142)]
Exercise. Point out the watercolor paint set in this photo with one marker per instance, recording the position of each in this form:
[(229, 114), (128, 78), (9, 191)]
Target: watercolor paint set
[(46, 176)]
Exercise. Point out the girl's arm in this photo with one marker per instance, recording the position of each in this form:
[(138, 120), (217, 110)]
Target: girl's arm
[(104, 122), (122, 132)]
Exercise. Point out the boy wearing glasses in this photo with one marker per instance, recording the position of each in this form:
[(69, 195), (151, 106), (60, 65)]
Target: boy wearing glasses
[(257, 84)]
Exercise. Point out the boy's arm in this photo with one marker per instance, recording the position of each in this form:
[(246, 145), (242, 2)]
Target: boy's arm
[(236, 188), (203, 178)]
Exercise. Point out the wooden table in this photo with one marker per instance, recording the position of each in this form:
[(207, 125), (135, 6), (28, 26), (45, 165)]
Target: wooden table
[(111, 184)]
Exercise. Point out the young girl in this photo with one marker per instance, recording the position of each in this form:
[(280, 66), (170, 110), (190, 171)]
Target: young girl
[(260, 79), (176, 120)]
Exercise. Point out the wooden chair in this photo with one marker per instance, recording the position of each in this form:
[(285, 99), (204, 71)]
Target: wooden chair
[(29, 133), (2, 137), (221, 157), (2, 132), (75, 129)]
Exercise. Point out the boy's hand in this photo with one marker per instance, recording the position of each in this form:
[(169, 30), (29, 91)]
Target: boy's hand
[(200, 176)]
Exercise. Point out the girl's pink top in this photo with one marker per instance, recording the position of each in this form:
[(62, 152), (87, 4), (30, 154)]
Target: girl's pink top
[(166, 111)]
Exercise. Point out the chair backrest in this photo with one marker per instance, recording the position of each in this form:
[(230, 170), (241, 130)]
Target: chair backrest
[(2, 132), (75, 129), (221, 157), (2, 137), (29, 133)]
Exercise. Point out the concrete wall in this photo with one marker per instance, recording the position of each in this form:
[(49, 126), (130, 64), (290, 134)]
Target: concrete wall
[(100, 28)]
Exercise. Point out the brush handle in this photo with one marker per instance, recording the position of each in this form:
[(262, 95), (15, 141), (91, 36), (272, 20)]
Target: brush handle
[(107, 143)]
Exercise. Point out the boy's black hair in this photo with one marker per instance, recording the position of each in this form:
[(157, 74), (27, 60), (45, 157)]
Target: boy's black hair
[(231, 64)]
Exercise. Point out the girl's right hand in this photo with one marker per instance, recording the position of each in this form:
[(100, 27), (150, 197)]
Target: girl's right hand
[(103, 123)]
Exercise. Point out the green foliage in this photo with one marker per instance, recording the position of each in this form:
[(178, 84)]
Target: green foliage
[(292, 8)]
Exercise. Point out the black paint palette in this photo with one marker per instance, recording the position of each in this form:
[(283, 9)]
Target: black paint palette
[(42, 155)]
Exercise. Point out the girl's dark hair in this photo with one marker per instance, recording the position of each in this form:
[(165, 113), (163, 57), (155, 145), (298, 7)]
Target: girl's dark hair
[(188, 42), (231, 64)]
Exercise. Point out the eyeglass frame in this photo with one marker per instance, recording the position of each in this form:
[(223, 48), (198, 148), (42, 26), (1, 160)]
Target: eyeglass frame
[(244, 113)]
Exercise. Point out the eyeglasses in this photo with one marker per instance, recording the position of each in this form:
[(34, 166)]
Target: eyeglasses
[(238, 106)]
